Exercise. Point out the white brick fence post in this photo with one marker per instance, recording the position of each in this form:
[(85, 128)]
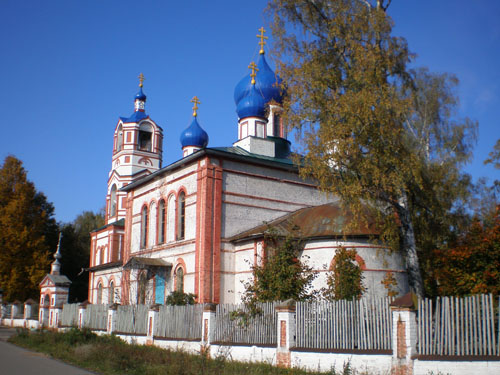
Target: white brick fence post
[(208, 326), (112, 318), (81, 314), (152, 317), (404, 334), (286, 332)]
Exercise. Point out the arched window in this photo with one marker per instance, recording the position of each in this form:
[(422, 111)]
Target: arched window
[(145, 137), (112, 201), (161, 221), (276, 125), (171, 218), (99, 293), (144, 227), (111, 293), (179, 280), (181, 216), (98, 256), (119, 139), (141, 288)]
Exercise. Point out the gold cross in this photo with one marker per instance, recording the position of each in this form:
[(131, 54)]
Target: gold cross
[(253, 66), (196, 101), (141, 79), (262, 41)]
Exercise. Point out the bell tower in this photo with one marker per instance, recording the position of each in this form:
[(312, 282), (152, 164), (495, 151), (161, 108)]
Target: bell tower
[(137, 152)]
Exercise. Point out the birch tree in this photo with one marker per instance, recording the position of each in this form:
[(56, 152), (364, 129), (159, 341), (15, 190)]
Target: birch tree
[(359, 114)]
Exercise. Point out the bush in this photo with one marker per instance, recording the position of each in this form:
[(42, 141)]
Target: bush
[(178, 298)]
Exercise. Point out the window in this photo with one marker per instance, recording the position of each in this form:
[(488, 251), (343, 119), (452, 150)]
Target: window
[(161, 222), (171, 218), (141, 288), (145, 137), (260, 130), (144, 227), (181, 216), (111, 293), (120, 247), (119, 139), (276, 125), (112, 201), (99, 293), (244, 130), (179, 280)]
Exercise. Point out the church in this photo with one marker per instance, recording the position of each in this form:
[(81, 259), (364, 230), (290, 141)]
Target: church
[(197, 225)]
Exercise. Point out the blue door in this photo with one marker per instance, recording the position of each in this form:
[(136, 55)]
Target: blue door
[(160, 288)]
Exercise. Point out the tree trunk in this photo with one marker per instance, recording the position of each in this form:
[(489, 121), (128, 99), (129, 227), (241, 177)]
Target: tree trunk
[(409, 247)]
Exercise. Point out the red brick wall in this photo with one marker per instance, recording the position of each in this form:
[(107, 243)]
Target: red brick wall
[(283, 359), (282, 333), (401, 344)]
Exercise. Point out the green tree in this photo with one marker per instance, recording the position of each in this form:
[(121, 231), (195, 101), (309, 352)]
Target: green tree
[(29, 233), (281, 274), (75, 251), (368, 130), (345, 279)]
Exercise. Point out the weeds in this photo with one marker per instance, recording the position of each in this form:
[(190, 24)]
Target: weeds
[(108, 355), (346, 370)]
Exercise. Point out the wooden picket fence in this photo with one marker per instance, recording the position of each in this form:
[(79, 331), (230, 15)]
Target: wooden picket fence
[(132, 319), (258, 330), (179, 322), (458, 326), (364, 324), (96, 317), (19, 312), (35, 309), (69, 316), (6, 311)]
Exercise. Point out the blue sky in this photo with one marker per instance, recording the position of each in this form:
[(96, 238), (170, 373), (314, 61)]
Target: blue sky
[(69, 69)]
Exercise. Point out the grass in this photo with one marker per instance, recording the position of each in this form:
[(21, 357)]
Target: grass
[(108, 355)]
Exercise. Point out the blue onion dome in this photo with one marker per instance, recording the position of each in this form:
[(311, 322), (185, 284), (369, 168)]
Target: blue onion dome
[(253, 104), (194, 135), (267, 82), (140, 95)]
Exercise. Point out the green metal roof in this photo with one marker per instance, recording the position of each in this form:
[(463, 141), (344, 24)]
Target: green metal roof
[(235, 153)]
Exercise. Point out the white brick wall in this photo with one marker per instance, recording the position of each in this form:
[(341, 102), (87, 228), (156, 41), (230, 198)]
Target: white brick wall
[(456, 367)]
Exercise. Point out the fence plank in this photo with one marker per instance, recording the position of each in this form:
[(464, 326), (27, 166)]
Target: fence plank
[(179, 322), (69, 316), (259, 330), (132, 319), (461, 326), (363, 324), (96, 317)]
